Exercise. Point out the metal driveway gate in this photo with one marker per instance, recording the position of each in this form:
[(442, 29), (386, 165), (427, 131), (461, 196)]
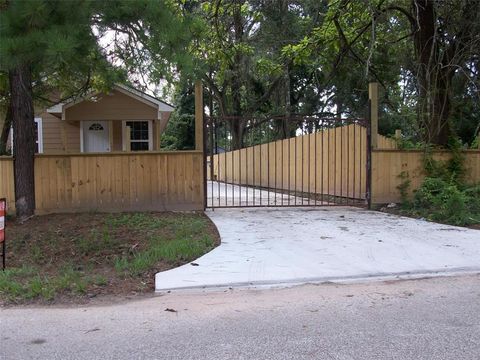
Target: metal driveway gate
[(286, 161)]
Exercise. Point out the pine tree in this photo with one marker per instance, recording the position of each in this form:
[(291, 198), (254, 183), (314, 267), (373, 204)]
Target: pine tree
[(47, 41), (37, 38)]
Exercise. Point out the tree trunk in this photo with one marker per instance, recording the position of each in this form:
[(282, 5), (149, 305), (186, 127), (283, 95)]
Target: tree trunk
[(24, 140), (6, 130), (286, 122), (286, 127), (237, 123), (433, 78)]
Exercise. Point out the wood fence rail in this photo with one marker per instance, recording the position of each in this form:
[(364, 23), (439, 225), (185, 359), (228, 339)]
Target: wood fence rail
[(388, 165), (148, 181)]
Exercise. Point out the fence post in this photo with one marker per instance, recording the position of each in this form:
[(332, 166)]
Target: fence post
[(199, 136), (373, 97), (398, 134), (368, 178), (198, 115)]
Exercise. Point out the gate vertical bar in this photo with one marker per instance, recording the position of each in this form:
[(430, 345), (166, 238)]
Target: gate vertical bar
[(211, 133), (268, 167)]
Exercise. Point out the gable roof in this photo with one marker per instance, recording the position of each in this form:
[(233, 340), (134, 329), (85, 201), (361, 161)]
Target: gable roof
[(161, 106)]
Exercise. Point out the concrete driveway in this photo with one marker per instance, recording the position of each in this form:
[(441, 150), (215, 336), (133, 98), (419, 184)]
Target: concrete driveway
[(272, 246)]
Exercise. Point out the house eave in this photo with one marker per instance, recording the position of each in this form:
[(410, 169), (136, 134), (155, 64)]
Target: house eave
[(58, 110)]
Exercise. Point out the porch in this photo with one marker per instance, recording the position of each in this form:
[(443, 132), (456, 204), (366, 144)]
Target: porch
[(121, 120)]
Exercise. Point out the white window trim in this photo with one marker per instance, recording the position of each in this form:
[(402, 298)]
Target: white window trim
[(39, 139), (39, 122), (150, 133)]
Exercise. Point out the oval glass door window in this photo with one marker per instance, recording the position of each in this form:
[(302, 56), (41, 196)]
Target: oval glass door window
[(96, 127)]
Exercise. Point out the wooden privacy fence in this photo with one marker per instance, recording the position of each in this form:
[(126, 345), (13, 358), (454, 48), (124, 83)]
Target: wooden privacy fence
[(153, 181), (329, 162), (388, 165)]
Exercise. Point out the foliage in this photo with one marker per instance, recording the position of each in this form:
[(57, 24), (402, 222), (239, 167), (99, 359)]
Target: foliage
[(443, 196), (404, 187), (451, 170), (447, 202), (180, 131)]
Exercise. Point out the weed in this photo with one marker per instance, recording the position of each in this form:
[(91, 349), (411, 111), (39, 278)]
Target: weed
[(447, 202), (95, 242), (100, 280), (78, 264), (136, 221), (443, 196), (173, 251), (36, 253), (404, 187)]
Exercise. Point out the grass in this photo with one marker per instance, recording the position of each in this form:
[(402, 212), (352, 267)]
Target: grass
[(69, 258), (180, 250)]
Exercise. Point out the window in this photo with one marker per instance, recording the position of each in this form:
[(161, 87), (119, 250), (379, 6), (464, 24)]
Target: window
[(139, 135), (38, 136), (96, 127), (38, 128)]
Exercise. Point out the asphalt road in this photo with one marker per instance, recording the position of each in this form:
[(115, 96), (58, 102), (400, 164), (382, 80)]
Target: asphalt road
[(419, 319)]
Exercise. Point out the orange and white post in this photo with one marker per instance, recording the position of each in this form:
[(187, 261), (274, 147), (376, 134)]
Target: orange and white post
[(3, 213)]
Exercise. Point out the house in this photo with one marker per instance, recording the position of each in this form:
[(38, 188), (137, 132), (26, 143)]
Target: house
[(124, 119)]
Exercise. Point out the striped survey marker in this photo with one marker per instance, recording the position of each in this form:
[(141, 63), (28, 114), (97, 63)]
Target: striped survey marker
[(3, 213)]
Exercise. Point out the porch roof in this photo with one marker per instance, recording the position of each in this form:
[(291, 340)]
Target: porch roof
[(94, 102)]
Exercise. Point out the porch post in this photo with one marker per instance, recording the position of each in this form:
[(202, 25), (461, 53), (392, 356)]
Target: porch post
[(198, 115), (373, 97), (156, 131), (110, 135), (126, 138)]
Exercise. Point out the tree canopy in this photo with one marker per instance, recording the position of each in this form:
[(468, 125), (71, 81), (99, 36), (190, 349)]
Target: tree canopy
[(317, 57), (255, 57)]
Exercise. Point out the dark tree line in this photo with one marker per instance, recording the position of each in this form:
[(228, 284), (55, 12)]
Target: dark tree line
[(257, 58)]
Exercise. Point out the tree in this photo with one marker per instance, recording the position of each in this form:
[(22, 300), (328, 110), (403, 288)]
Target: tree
[(180, 131), (445, 39), (5, 111), (47, 41), (38, 38), (417, 49), (244, 68)]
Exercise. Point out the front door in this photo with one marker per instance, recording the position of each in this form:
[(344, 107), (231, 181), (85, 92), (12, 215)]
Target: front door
[(96, 136)]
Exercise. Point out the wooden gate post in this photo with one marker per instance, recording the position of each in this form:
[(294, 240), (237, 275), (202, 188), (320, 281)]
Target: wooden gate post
[(199, 136), (373, 97), (198, 115)]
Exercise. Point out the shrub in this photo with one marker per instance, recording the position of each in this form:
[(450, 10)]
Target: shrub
[(447, 202)]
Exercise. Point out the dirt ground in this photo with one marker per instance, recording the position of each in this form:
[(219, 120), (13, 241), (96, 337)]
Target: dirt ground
[(398, 211), (65, 258)]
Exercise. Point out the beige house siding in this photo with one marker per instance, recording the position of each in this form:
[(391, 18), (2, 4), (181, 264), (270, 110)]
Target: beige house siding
[(72, 132), (113, 106), (60, 136), (52, 135)]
